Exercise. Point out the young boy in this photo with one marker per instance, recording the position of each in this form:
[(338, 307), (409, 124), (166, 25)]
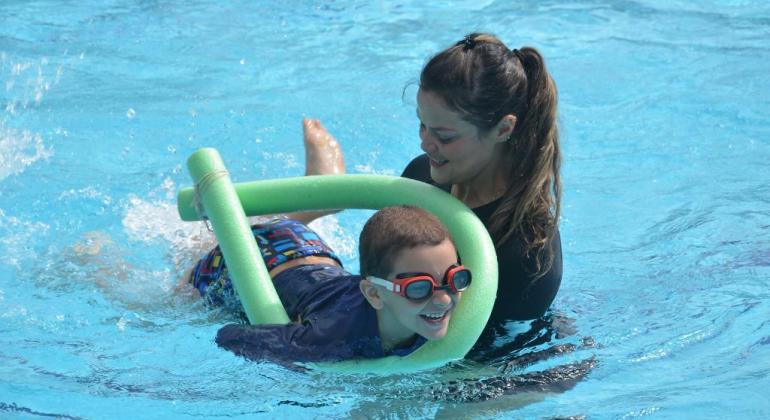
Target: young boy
[(410, 283)]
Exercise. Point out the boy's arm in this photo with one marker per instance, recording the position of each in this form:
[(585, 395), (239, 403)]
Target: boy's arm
[(294, 342), (256, 342)]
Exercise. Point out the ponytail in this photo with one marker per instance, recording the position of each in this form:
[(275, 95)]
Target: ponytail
[(532, 204)]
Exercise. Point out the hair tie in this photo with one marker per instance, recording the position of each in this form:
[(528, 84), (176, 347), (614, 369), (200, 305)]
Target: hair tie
[(200, 187), (468, 42), (518, 55)]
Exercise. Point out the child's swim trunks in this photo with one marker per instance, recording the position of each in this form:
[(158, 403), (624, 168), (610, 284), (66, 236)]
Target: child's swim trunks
[(279, 241)]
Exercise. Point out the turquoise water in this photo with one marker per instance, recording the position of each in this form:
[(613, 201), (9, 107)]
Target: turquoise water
[(666, 211)]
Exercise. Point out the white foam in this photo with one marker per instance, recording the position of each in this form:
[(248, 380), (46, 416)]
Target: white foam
[(87, 192), (25, 84), (287, 160), (342, 242), (150, 220), (16, 235), (28, 82), (369, 169), (20, 149)]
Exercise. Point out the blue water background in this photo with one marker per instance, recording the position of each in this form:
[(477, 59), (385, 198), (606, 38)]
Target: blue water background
[(664, 111)]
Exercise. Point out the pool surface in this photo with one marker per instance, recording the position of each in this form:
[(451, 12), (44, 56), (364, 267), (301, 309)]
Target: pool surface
[(664, 111)]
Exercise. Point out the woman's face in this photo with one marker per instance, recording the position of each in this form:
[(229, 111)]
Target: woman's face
[(459, 153)]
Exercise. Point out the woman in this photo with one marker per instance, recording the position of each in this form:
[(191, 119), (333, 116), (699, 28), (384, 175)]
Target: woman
[(488, 128)]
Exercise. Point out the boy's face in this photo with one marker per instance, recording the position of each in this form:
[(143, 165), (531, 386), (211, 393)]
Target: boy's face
[(430, 317)]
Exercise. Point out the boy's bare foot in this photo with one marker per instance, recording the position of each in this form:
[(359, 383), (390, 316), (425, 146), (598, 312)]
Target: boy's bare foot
[(323, 155)]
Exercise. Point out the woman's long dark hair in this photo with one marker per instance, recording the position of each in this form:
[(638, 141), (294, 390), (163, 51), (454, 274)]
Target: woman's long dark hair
[(484, 80)]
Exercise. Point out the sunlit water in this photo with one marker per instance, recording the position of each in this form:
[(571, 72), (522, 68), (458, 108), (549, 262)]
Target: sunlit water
[(666, 211)]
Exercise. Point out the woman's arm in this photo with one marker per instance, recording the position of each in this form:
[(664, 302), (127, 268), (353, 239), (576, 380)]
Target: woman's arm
[(520, 295)]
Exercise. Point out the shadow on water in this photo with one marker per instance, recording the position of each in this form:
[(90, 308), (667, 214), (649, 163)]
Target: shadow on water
[(499, 375), (19, 410), (543, 339)]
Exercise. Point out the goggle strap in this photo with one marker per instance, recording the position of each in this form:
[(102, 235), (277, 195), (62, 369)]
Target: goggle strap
[(393, 287)]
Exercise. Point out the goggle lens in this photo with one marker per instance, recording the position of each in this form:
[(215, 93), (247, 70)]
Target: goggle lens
[(419, 290), (461, 280)]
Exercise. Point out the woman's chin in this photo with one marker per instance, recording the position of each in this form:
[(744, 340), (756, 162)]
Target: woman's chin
[(439, 176)]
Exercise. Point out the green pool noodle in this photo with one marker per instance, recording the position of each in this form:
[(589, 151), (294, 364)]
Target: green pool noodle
[(228, 220), (374, 192)]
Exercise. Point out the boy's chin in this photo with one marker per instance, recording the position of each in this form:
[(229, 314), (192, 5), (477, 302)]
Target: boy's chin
[(435, 335), (436, 331)]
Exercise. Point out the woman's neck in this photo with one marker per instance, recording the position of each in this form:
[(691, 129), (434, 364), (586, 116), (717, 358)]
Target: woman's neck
[(486, 187)]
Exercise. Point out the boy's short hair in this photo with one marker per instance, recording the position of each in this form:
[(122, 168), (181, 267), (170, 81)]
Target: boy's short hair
[(392, 230)]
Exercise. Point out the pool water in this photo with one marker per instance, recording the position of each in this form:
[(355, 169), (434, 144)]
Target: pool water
[(666, 210)]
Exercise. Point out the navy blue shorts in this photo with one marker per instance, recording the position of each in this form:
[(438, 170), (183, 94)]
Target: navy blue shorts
[(279, 241)]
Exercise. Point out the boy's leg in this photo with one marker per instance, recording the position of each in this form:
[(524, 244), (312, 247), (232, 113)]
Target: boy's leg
[(323, 156)]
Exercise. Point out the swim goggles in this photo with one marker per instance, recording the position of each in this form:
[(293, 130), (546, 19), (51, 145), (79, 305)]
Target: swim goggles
[(421, 286)]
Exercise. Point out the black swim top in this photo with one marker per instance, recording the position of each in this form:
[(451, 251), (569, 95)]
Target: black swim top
[(517, 297)]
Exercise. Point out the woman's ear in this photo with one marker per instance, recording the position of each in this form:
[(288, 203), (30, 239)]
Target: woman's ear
[(371, 293), (504, 128)]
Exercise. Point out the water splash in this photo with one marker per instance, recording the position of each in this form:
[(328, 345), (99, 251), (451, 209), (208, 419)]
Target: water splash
[(27, 82), (369, 169), (20, 149), (338, 239), (155, 218), (15, 237)]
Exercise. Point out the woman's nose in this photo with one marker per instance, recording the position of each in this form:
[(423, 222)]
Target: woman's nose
[(427, 143)]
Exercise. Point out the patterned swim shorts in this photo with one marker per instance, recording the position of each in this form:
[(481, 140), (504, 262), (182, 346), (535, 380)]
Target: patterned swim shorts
[(279, 241)]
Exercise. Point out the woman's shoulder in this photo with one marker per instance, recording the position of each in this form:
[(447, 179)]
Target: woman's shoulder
[(418, 169)]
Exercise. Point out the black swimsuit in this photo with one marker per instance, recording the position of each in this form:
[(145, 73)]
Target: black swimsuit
[(517, 297)]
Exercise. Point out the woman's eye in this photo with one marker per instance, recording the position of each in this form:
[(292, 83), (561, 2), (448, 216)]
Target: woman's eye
[(445, 140)]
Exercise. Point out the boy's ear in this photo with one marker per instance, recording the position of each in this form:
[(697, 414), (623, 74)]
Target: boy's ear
[(371, 293)]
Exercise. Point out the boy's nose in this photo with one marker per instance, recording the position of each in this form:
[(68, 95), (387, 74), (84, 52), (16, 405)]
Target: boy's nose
[(441, 298)]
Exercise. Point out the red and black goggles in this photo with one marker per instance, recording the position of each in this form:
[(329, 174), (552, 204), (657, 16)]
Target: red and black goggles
[(421, 286)]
